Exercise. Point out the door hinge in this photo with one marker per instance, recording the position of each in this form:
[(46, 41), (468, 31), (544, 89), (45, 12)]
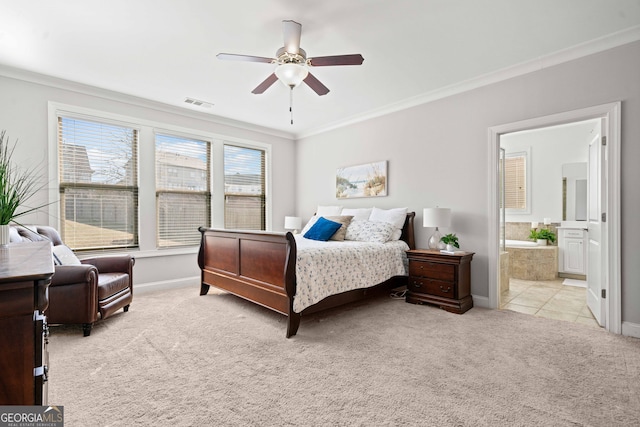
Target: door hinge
[(604, 140), (604, 217), (603, 293)]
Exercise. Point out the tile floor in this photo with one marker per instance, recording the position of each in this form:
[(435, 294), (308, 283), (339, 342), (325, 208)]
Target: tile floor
[(549, 299)]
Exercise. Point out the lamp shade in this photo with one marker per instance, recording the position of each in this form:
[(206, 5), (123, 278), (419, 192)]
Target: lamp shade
[(436, 217), (291, 74), (292, 222)]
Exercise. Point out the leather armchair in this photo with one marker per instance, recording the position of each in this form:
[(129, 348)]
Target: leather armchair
[(83, 294)]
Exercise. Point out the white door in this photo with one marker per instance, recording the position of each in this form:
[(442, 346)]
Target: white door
[(596, 284)]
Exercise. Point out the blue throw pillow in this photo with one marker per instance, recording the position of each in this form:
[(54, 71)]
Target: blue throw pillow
[(322, 230)]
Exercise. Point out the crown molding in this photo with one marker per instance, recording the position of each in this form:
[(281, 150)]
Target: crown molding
[(58, 83), (601, 44)]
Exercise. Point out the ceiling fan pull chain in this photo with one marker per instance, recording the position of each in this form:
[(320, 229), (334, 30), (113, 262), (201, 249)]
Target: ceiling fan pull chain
[(291, 104)]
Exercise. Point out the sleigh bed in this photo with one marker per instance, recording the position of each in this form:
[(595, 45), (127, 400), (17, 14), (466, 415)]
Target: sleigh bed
[(261, 267)]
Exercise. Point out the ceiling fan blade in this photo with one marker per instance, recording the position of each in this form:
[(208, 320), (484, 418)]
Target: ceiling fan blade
[(291, 31), (322, 61), (248, 58), (316, 85), (265, 84)]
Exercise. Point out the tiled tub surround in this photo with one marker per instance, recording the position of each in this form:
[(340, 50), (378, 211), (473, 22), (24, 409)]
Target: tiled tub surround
[(504, 271), (531, 263)]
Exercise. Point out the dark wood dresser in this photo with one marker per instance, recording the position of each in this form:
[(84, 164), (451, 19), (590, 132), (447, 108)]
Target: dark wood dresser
[(440, 279), (25, 274)]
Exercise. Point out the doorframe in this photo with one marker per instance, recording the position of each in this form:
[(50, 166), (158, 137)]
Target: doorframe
[(612, 114)]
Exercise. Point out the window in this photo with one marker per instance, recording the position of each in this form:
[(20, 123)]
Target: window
[(183, 195), (98, 172), (515, 187), (244, 188)]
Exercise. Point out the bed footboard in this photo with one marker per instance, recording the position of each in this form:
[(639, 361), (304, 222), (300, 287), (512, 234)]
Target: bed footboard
[(257, 266), (260, 267)]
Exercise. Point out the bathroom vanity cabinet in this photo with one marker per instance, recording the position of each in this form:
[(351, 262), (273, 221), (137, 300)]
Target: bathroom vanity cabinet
[(572, 254)]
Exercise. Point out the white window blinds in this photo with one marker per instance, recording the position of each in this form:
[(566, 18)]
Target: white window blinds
[(515, 188), (98, 171), (244, 188), (182, 189)]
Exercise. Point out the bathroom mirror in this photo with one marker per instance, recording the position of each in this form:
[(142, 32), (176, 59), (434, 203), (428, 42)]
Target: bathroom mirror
[(574, 191)]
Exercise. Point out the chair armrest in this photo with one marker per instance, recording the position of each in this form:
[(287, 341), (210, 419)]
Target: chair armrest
[(73, 274), (112, 263)]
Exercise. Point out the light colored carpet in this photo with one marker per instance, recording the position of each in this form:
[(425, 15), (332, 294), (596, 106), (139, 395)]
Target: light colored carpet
[(180, 359)]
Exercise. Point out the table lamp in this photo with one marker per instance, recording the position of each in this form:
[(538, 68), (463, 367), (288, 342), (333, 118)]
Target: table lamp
[(436, 217), (293, 223)]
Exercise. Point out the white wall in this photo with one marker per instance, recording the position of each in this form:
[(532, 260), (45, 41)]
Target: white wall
[(550, 149), (23, 114), (438, 153)]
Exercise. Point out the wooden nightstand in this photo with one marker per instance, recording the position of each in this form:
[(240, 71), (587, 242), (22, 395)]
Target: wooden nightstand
[(440, 279)]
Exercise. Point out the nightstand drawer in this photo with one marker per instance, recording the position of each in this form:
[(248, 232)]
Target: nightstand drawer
[(432, 287), (432, 270)]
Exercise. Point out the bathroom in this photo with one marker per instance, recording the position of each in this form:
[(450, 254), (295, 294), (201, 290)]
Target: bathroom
[(544, 187)]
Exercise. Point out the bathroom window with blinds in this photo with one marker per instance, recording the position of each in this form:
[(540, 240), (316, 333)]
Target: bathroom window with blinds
[(515, 187), (98, 172), (244, 188), (183, 198)]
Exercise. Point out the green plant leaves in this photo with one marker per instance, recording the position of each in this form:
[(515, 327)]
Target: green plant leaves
[(17, 185)]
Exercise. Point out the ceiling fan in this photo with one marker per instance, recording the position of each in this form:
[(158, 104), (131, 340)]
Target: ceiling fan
[(293, 64)]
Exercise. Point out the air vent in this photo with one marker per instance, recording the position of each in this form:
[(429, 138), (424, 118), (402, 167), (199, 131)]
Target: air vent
[(198, 103)]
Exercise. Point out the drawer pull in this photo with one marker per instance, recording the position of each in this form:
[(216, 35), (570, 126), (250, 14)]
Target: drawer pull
[(416, 284), (445, 290)]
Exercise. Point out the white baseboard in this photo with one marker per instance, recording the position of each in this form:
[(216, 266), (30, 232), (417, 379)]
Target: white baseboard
[(631, 329), (479, 301), (193, 282)]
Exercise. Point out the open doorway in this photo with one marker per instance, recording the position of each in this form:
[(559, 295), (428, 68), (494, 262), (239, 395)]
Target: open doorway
[(543, 206), (607, 213)]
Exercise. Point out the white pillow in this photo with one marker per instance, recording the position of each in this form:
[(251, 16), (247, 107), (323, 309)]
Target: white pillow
[(309, 224), (62, 255), (361, 214), (369, 231), (328, 210), (321, 211), (396, 216)]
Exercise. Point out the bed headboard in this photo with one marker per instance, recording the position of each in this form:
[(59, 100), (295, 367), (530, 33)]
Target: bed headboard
[(408, 232)]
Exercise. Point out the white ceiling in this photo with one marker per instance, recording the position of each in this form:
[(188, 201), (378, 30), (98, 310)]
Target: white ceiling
[(164, 50)]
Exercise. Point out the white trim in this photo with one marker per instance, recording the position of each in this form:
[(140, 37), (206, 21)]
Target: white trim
[(480, 301), (631, 329), (601, 44), (612, 113), (58, 83), (193, 281)]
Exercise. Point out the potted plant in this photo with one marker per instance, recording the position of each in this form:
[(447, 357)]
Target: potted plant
[(17, 186), (542, 236), (451, 240)]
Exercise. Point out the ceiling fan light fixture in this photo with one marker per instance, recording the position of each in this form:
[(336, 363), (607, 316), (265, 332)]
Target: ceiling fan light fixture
[(291, 74)]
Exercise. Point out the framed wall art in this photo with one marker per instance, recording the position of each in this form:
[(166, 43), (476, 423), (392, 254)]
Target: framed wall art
[(366, 180)]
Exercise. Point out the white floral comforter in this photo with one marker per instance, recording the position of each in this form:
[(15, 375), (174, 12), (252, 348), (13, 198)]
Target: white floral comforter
[(329, 268)]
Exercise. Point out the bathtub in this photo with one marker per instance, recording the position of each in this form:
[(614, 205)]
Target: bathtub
[(528, 261), (520, 243)]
